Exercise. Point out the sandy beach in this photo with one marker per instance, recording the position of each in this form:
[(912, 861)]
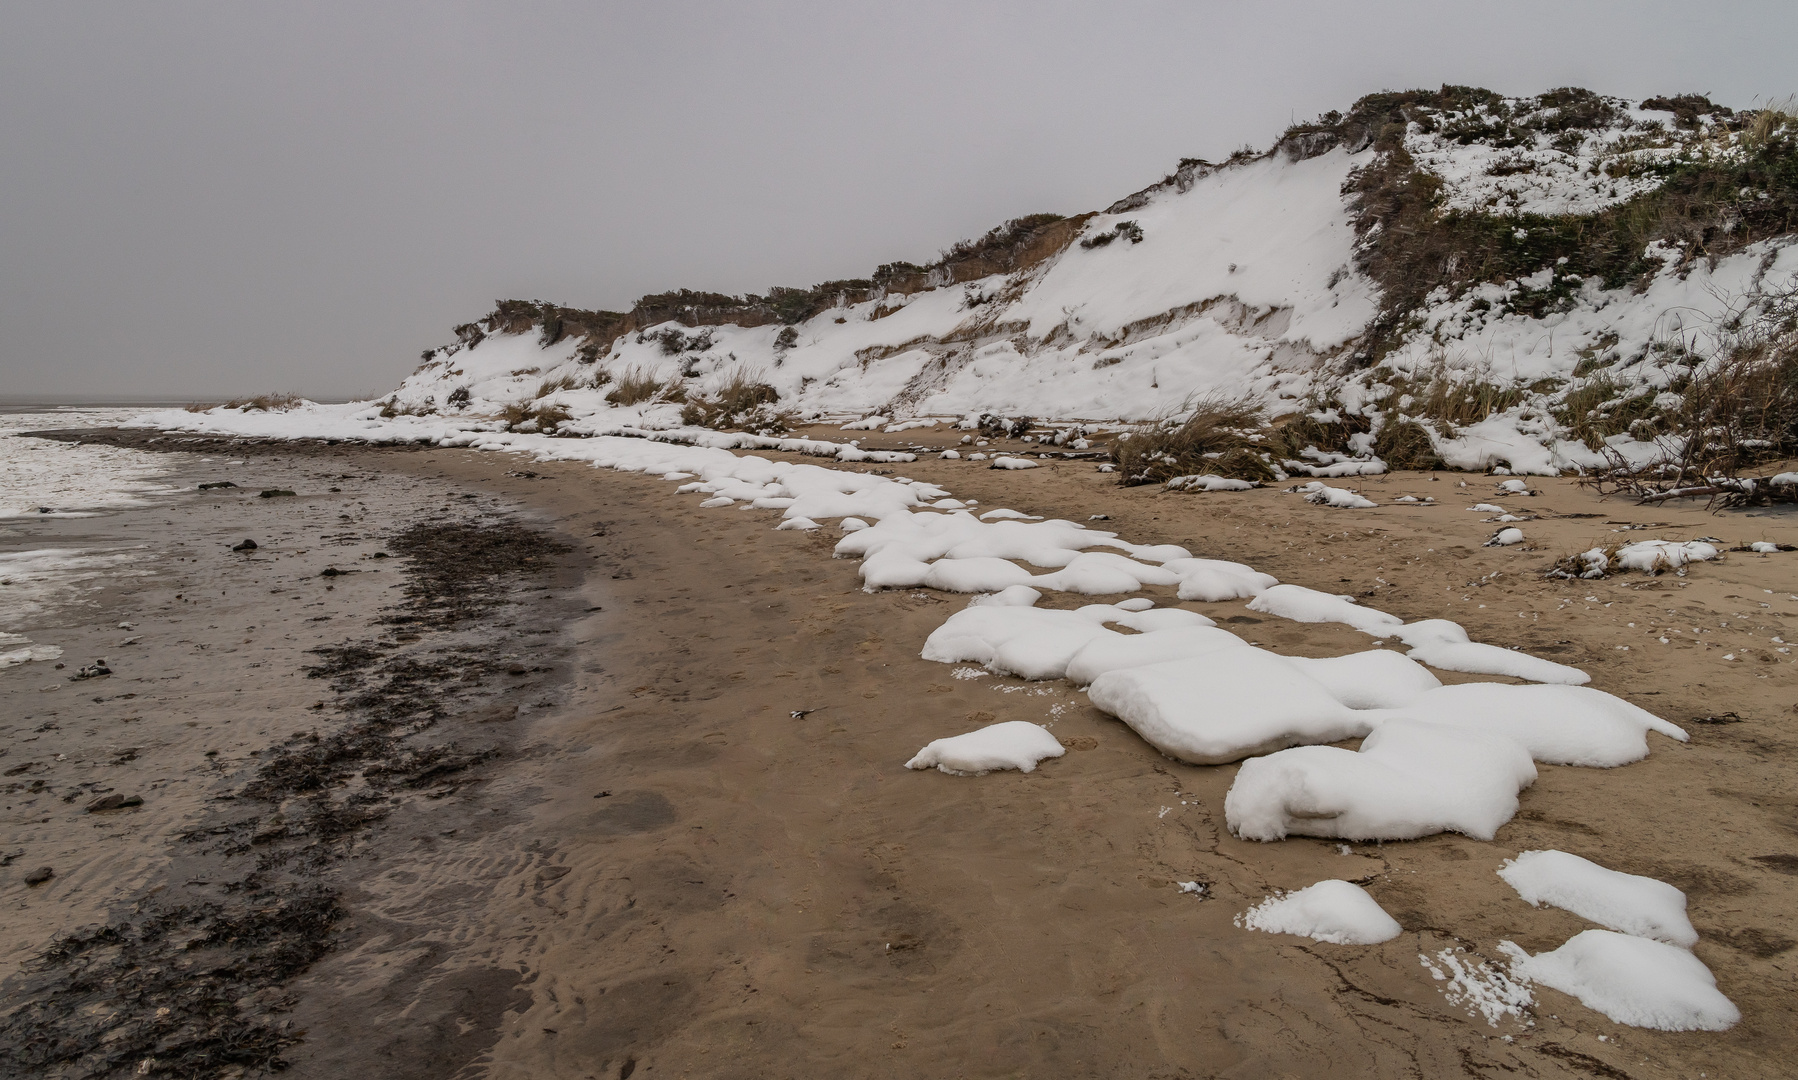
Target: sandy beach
[(598, 783)]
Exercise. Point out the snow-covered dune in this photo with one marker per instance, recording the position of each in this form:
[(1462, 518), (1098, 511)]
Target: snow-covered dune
[(1428, 246)]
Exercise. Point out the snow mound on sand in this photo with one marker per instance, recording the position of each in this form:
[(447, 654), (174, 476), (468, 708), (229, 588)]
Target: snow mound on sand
[(1341, 498), (1011, 463), (1014, 744), (1339, 912), (1225, 705), (1300, 604), (1444, 644), (1011, 637), (1209, 482), (1216, 580), (1632, 980), (1623, 902), (901, 549), (1560, 725), (1115, 652), (1375, 679), (1653, 556), (1411, 778)]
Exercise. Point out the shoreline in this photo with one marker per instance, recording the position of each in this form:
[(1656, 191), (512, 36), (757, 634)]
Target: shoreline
[(1035, 918)]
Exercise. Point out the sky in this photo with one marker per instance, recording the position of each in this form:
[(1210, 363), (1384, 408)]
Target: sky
[(200, 200)]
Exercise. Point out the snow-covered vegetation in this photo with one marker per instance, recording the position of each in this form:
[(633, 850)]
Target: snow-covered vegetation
[(1437, 277)]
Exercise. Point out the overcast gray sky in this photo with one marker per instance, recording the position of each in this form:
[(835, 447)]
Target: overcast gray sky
[(202, 199)]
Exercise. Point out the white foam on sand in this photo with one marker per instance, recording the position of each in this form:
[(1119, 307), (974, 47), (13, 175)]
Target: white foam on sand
[(1339, 912), (1632, 980), (1014, 744), (1627, 903)]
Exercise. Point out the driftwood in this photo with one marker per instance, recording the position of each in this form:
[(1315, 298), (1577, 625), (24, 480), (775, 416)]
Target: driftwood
[(1663, 481)]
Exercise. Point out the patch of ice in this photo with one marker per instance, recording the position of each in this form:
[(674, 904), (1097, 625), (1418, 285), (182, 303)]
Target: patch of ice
[(16, 650), (1014, 744), (1623, 902), (1335, 911)]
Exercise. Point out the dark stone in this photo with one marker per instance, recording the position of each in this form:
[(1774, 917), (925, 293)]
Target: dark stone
[(39, 876), (274, 493), (217, 484), (95, 670), (247, 545), (114, 802)]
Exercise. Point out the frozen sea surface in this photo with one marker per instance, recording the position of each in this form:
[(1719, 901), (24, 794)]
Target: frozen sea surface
[(43, 480), (42, 476)]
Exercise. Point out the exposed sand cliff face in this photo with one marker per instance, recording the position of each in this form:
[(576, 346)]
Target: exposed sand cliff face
[(672, 873)]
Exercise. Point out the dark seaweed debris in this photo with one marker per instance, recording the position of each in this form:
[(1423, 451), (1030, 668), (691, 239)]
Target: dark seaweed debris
[(458, 571), (195, 989), (178, 991)]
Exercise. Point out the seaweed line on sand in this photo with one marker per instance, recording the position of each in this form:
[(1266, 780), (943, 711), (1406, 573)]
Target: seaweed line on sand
[(195, 987)]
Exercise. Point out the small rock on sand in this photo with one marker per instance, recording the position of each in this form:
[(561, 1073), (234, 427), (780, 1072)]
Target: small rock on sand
[(114, 802)]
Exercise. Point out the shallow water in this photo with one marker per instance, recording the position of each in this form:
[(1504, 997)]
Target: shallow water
[(42, 477), (42, 484)]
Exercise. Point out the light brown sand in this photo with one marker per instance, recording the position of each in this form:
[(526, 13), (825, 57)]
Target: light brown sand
[(679, 878)]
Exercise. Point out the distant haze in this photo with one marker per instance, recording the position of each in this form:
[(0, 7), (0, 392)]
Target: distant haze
[(205, 199)]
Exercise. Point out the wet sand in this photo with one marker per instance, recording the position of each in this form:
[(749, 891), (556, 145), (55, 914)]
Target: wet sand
[(666, 873)]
